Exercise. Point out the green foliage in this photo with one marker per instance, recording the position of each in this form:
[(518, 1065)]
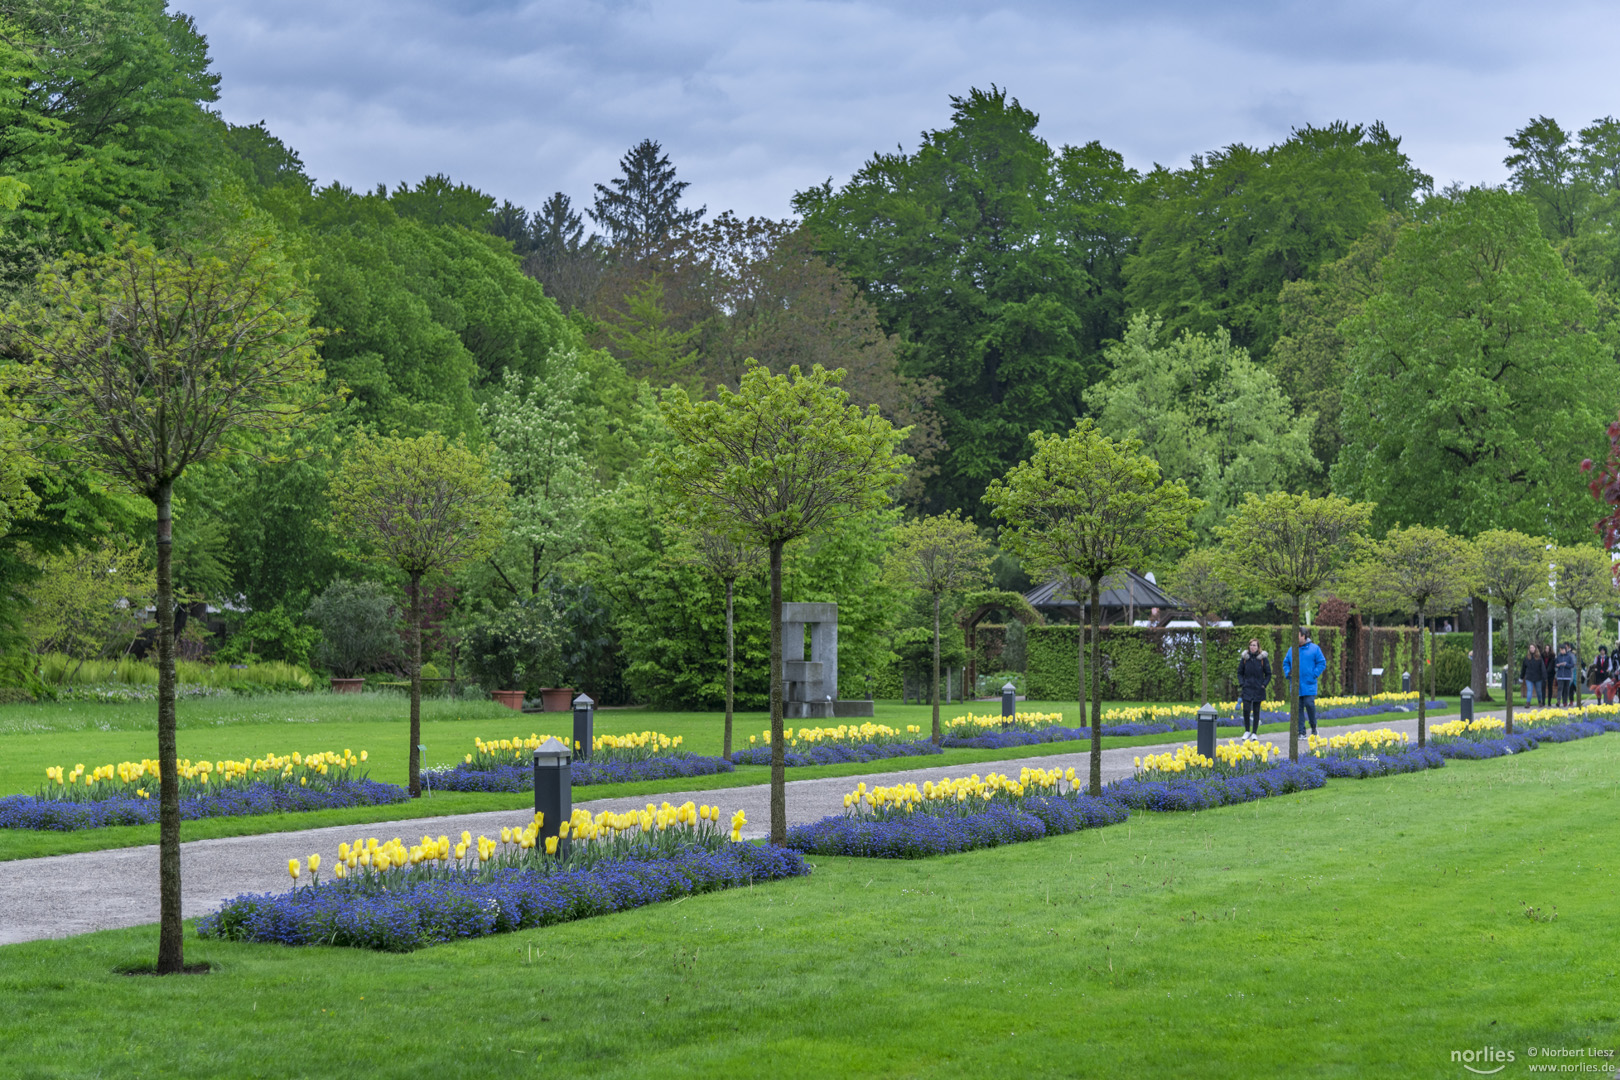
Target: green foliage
[(359, 627), (1219, 239), (1470, 400), (59, 670), (979, 251), (643, 336), (515, 648), (270, 634), (1290, 546), (1452, 671), (86, 601), (1205, 412)]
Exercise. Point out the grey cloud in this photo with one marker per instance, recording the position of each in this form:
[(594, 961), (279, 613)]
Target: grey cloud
[(756, 100)]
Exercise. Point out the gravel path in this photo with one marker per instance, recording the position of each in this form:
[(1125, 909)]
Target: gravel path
[(99, 890)]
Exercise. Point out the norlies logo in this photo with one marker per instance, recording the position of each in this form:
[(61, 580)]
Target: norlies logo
[(1485, 1055)]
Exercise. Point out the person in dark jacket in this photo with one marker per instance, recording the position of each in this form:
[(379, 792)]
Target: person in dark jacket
[(1254, 675), (1533, 672), (1600, 675), (1564, 669)]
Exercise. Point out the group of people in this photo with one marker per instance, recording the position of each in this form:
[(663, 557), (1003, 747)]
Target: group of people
[(1254, 676), (1544, 671)]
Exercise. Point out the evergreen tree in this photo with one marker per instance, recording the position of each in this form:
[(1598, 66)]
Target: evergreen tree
[(641, 208)]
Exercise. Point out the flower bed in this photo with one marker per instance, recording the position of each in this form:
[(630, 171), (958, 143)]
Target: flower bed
[(1011, 737), (459, 907), (1469, 747), (1404, 761), (33, 812), (920, 835), (836, 753), (585, 773), (1206, 792), (139, 779)]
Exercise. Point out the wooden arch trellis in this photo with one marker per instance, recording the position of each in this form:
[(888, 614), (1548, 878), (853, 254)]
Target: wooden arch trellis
[(975, 608)]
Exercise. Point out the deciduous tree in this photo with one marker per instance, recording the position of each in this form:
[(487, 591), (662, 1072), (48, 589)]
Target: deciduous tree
[(1512, 569), (780, 458), (1584, 575), (1090, 506), (1202, 581)]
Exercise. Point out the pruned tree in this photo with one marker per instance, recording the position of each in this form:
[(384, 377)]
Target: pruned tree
[(937, 555), (1512, 569), (1291, 546), (1090, 506), (1202, 582), (724, 555), (146, 363), (1585, 579), (780, 458), (420, 506), (1422, 568)]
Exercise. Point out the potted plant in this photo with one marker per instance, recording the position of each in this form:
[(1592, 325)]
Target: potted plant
[(359, 627), (511, 649)]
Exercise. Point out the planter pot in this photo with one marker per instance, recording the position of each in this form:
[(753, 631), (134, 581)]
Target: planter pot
[(348, 686), (556, 698), (512, 699)]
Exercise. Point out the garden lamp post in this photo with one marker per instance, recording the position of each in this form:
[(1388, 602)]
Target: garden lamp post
[(1009, 701), (1465, 706), (584, 726), (1206, 731), (553, 789)]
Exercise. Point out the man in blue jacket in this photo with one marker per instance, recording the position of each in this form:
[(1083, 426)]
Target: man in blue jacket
[(1311, 665)]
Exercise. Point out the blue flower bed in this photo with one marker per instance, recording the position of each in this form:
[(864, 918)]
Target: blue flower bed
[(837, 753), (1409, 760), (1011, 737), (346, 913), (1203, 793), (1526, 739), (585, 773), (29, 812), (919, 835)]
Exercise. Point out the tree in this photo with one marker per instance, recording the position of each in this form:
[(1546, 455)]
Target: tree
[(781, 458), (1544, 168), (719, 553), (1090, 506), (642, 334), (147, 364), (1585, 579), (1218, 240), (641, 207), (1205, 412), (533, 427), (974, 251), (938, 555), (420, 506), (1417, 567), (1202, 582), (1512, 569), (1470, 394), (82, 594), (1291, 546), (565, 263)]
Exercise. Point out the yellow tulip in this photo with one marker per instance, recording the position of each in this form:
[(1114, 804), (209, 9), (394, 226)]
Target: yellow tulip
[(292, 868)]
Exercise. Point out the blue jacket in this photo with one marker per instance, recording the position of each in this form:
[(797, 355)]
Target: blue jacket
[(1311, 665)]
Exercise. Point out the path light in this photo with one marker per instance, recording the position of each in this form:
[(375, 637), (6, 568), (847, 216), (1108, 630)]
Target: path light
[(1206, 731), (1009, 701), (1466, 704), (584, 726), (1406, 682), (553, 788)]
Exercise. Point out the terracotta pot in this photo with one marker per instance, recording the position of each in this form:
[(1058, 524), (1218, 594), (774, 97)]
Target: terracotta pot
[(556, 698), (512, 699), (348, 686)]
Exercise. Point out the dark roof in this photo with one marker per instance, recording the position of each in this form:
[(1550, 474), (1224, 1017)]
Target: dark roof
[(1119, 591)]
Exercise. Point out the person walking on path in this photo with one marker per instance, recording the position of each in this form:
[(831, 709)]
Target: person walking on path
[(1565, 670), (1254, 675), (1311, 665), (1533, 673)]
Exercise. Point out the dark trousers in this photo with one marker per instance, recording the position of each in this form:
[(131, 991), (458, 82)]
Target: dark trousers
[(1566, 691), (1307, 708), (1251, 716)]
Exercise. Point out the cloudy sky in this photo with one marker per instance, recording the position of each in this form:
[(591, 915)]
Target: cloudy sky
[(754, 99)]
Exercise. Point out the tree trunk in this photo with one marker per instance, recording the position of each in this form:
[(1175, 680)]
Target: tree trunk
[(1579, 676), (731, 662), (1296, 714), (171, 933), (1096, 690), (778, 762), (1080, 664), (1423, 682), (1480, 663), (938, 738), (416, 686), (1507, 673)]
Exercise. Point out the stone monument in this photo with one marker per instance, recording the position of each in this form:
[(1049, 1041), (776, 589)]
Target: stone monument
[(810, 687)]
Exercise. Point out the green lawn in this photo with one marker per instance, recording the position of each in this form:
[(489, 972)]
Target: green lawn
[(1367, 929), (33, 737)]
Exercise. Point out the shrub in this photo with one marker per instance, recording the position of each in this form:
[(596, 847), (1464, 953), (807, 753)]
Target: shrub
[(359, 626), (515, 648), (1452, 671), (270, 635)]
